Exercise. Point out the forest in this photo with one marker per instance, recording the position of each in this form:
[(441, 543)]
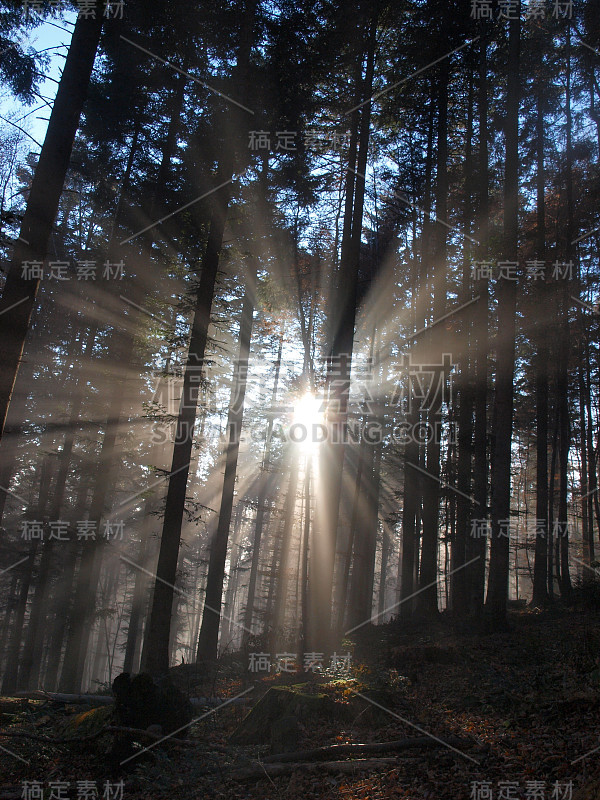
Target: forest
[(299, 399)]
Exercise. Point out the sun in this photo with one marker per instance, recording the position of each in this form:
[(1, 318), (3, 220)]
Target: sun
[(306, 428)]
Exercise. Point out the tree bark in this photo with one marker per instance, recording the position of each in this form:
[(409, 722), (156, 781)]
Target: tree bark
[(411, 493), (18, 297), (282, 583), (211, 617), (540, 568), (323, 556), (156, 645), (260, 510), (29, 672), (428, 586), (564, 347), (9, 681), (497, 595), (480, 335)]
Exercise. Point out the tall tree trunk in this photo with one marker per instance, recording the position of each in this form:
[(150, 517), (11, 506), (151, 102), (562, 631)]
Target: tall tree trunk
[(355, 521), (365, 543), (540, 569), (304, 547), (497, 595), (385, 554), (132, 645), (63, 595), (433, 346), (551, 506), (462, 550), (11, 605), (588, 541), (211, 617), (564, 352), (146, 550), (324, 549), (80, 622), (13, 431), (18, 297), (232, 583), (9, 682), (411, 494), (262, 498), (281, 593), (592, 498), (156, 644), (120, 354), (480, 335), (29, 672)]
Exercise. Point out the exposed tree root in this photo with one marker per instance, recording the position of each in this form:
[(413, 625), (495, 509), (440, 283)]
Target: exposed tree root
[(259, 771), (364, 749)]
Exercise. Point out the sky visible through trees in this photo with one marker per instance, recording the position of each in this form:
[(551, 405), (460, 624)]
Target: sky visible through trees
[(298, 331)]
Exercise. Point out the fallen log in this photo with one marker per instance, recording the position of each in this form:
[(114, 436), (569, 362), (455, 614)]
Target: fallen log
[(137, 732), (365, 749), (265, 770), (36, 737), (106, 699), (287, 763), (75, 699)]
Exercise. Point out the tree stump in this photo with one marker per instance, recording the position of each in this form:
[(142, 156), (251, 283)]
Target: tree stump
[(278, 703), (140, 703)]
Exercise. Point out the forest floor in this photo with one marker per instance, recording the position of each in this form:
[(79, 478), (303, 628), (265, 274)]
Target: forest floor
[(523, 705)]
